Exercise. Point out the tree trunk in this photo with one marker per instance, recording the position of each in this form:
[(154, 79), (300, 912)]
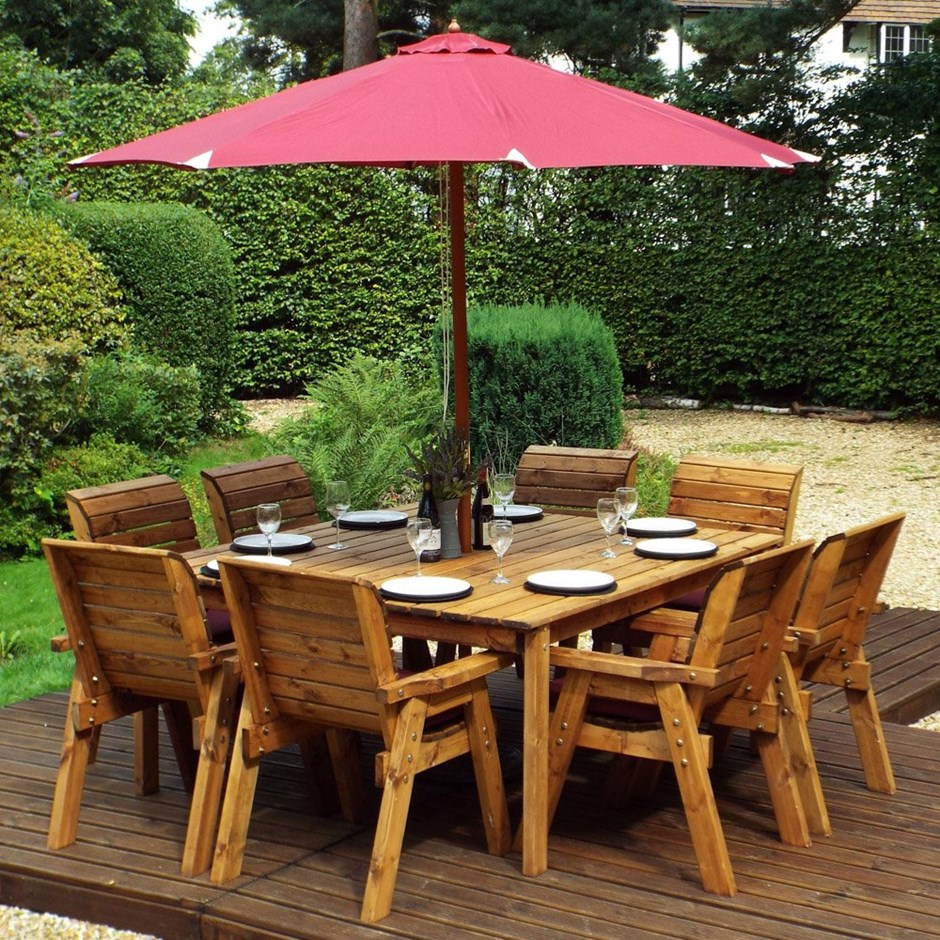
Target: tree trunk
[(360, 45)]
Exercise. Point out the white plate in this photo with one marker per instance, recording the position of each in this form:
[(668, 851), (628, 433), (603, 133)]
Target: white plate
[(517, 513), (570, 581), (661, 526), (282, 543), (676, 548), (372, 519), (425, 588)]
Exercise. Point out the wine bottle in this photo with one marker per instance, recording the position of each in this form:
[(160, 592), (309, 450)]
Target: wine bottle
[(427, 509), (482, 512)]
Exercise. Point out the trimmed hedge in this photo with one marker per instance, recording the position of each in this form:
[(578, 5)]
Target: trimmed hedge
[(541, 375), (176, 271)]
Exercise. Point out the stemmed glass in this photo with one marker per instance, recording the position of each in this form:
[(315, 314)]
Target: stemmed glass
[(337, 502), (500, 540), (419, 534), (627, 498), (268, 516), (608, 512), (504, 488)]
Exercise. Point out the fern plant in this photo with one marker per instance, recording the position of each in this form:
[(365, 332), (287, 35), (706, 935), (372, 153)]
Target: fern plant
[(367, 415)]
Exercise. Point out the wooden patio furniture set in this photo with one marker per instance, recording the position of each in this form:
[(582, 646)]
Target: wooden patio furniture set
[(684, 653)]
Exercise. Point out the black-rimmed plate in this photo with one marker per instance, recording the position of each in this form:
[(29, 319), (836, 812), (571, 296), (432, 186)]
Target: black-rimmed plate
[(661, 527), (571, 581), (373, 519), (517, 513), (676, 548), (425, 589), (282, 543)]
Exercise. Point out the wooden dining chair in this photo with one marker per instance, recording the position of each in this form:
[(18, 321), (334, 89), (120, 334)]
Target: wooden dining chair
[(234, 492), (737, 494), (138, 632), (572, 479), (840, 595), (730, 494), (315, 653), (736, 675), (150, 512)]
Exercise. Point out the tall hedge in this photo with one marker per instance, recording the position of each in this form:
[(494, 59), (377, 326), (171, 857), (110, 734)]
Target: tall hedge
[(175, 269), (541, 375)]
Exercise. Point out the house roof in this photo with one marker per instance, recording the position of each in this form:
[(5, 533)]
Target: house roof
[(866, 11)]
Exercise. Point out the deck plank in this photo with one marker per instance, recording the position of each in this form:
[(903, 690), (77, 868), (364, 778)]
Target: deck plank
[(612, 874)]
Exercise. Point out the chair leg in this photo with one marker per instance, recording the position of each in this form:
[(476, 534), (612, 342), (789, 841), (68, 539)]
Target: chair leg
[(236, 810), (179, 722), (344, 759), (390, 828), (869, 735), (147, 751), (799, 751), (77, 749), (210, 776), (315, 753), (698, 798), (486, 768)]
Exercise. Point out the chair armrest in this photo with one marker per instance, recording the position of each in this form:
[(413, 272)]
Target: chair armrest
[(633, 667), (60, 643), (446, 676), (213, 658)]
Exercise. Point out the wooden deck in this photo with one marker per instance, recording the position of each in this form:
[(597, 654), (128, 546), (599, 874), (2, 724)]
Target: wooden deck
[(612, 875)]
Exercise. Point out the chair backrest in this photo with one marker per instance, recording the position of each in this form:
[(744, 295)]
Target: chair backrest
[(738, 494), (236, 490), (745, 620), (842, 589), (134, 618), (321, 642), (151, 512), (572, 478)]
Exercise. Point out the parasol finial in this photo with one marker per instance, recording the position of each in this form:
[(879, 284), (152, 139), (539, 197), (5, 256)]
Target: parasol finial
[(454, 26)]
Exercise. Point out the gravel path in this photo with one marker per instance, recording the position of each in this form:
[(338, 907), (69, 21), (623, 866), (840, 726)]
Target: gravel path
[(852, 473)]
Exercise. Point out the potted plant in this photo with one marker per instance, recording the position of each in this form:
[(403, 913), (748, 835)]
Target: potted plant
[(446, 457)]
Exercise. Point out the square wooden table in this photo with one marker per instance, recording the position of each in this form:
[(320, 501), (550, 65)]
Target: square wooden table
[(513, 618)]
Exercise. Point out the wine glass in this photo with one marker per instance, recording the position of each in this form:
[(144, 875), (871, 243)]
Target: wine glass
[(419, 534), (268, 516), (337, 502), (608, 512), (504, 488), (627, 498), (500, 540)]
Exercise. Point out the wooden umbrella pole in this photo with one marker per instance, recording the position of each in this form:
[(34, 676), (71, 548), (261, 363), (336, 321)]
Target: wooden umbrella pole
[(461, 372)]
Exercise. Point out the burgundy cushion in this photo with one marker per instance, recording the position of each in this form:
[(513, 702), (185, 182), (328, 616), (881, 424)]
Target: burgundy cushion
[(220, 626), (692, 601)]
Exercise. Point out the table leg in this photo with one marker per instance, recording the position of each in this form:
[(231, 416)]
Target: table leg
[(535, 753)]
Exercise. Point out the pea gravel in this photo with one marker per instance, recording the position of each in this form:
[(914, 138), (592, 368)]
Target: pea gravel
[(852, 473)]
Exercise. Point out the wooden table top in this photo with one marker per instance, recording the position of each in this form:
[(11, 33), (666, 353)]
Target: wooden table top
[(555, 541)]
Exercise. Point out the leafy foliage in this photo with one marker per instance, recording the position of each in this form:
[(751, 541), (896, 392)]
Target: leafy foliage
[(122, 39), (139, 399), (367, 414), (445, 457), (52, 287), (542, 374), (176, 272)]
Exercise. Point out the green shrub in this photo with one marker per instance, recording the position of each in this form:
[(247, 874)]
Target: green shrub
[(176, 272), (542, 375), (52, 287), (138, 399), (40, 394), (101, 460), (366, 414)]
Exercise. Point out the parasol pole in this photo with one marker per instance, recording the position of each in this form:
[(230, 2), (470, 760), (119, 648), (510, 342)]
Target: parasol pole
[(461, 373)]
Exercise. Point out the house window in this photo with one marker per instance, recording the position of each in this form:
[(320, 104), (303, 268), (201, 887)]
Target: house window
[(897, 41)]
